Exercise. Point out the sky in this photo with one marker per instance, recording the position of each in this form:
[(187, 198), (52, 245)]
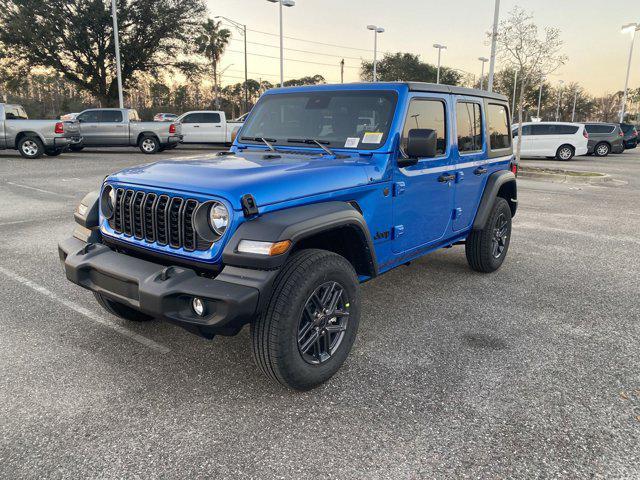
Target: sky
[(597, 50)]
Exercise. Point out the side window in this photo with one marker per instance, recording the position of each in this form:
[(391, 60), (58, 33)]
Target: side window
[(111, 116), (15, 112), (426, 114), (541, 129), (210, 118), (567, 129), (498, 127), (192, 118), (90, 116), (526, 130), (469, 125)]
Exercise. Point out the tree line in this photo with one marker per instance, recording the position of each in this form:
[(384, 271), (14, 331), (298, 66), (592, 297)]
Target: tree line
[(58, 57)]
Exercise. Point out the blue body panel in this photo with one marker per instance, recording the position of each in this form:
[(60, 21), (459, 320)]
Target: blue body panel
[(407, 210)]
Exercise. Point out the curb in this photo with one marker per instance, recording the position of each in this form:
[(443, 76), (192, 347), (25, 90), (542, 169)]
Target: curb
[(559, 177)]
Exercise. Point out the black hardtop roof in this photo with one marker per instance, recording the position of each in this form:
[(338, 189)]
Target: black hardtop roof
[(440, 88)]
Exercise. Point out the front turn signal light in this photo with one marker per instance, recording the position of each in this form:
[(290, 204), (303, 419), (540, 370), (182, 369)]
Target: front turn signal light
[(264, 248)]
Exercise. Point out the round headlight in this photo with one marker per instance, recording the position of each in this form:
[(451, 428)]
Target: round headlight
[(108, 201), (218, 218)]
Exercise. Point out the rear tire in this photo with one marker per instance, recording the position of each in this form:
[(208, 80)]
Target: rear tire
[(310, 322), (565, 153), (120, 310), (486, 249), (602, 150), (149, 144), (30, 147)]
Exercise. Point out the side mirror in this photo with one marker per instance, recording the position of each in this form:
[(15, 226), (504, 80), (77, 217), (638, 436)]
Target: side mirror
[(421, 143)]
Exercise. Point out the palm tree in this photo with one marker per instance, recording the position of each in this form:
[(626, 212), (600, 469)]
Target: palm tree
[(211, 43)]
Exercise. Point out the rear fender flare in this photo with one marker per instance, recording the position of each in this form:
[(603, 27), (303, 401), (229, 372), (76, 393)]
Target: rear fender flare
[(504, 181)]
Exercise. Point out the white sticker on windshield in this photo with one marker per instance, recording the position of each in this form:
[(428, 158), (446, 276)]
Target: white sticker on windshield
[(352, 142), (372, 137)]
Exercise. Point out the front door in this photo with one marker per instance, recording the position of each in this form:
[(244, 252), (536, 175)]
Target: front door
[(191, 128), (423, 193), (89, 123)]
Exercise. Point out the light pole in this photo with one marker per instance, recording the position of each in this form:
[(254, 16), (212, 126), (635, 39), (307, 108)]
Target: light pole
[(540, 96), (632, 28), (494, 39), (116, 41), (281, 3), (342, 71), (560, 82), (575, 99), (242, 29), (440, 48), (376, 30), (483, 60)]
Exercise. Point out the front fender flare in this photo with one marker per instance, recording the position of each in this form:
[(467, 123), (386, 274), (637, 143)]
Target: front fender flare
[(295, 224)]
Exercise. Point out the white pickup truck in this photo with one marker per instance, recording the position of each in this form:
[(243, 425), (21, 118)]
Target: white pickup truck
[(208, 126)]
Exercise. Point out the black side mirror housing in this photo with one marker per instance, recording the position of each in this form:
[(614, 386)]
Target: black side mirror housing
[(421, 143)]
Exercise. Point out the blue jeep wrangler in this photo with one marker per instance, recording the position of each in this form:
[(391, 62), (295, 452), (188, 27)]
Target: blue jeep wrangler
[(324, 188)]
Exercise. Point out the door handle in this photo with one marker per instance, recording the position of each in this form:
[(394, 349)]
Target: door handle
[(480, 171), (446, 178), (196, 126), (218, 126)]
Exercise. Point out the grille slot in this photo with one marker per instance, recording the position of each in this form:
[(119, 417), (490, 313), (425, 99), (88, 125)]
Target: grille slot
[(159, 219)]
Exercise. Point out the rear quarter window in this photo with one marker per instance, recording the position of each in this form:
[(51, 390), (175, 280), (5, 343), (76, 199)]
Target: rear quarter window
[(498, 126)]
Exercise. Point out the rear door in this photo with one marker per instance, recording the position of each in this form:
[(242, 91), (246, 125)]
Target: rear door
[(423, 197), (212, 128), (470, 154), (112, 128)]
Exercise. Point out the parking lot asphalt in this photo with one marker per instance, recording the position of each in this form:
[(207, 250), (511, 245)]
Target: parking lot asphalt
[(530, 372)]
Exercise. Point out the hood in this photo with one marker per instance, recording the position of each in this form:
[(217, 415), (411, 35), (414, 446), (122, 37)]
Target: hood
[(286, 176)]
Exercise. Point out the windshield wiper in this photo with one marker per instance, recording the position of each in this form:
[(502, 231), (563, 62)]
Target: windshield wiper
[(309, 141), (267, 141)]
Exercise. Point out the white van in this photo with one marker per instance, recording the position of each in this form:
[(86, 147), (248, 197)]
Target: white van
[(559, 140)]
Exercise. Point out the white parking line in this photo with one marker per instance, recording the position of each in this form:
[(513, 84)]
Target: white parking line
[(147, 342), (40, 190)]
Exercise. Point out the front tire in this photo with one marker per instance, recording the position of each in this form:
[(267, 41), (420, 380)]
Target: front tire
[(149, 145), (565, 153), (309, 325), (486, 249), (120, 310), (30, 147), (602, 150)]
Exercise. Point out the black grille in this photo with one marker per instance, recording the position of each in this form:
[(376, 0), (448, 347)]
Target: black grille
[(157, 219)]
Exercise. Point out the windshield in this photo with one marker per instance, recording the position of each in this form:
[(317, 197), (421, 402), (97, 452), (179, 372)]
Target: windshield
[(338, 119)]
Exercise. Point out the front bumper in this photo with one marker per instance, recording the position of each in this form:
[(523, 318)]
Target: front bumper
[(231, 299)]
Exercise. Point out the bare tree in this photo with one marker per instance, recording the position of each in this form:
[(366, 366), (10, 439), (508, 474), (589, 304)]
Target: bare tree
[(533, 55)]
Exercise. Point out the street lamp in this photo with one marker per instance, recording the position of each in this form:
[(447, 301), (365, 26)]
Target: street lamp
[(494, 39), (116, 41), (243, 29), (285, 3), (376, 30), (631, 28), (440, 48), (483, 60), (542, 79), (560, 83)]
